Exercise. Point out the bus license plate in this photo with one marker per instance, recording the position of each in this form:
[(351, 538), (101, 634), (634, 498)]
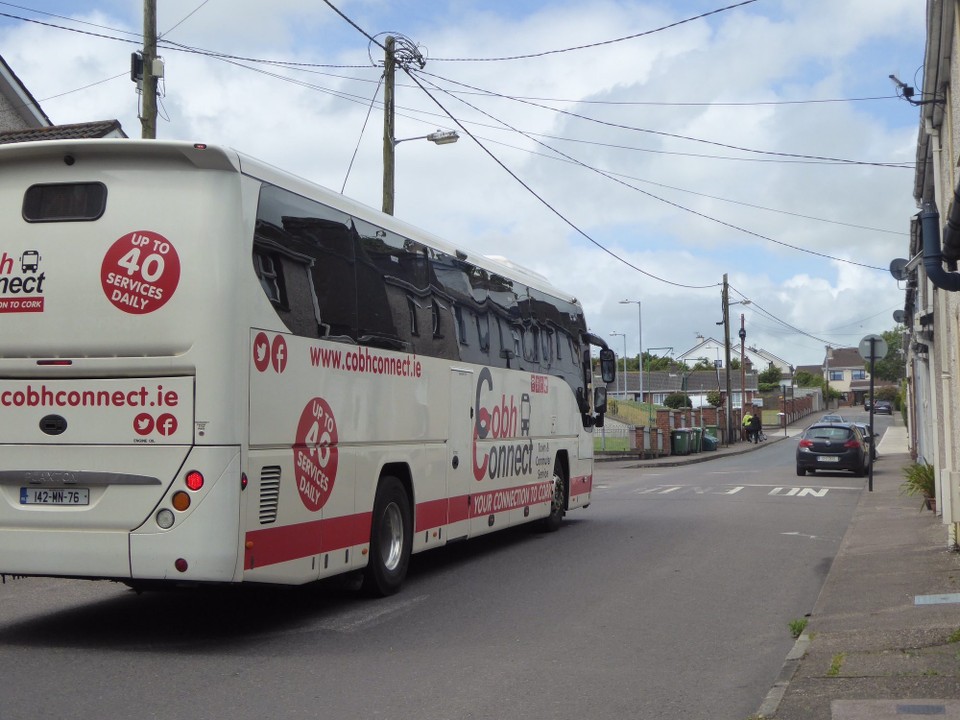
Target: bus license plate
[(54, 496), (827, 458)]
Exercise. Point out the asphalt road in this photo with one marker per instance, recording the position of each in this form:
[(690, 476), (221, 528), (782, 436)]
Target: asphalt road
[(669, 597)]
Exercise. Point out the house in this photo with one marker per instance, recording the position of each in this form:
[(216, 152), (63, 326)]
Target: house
[(713, 351), (23, 120), (842, 368), (18, 108), (695, 384), (928, 270)]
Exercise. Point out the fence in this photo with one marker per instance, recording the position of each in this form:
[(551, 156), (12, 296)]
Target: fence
[(616, 438)]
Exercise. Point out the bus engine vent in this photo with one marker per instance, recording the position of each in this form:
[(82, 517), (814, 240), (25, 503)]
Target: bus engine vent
[(269, 493)]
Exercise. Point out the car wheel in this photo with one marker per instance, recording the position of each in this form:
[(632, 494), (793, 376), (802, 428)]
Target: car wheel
[(801, 471)]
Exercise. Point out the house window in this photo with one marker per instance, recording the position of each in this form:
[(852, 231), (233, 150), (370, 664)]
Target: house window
[(436, 319), (836, 375), (269, 277), (483, 331), (461, 325), (858, 375), (412, 307)]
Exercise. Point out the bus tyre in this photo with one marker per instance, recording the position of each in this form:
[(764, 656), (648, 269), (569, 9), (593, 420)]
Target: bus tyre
[(558, 504), (391, 535)]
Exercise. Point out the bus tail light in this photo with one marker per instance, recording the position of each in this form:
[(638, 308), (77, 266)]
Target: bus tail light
[(194, 480), (180, 500), (243, 481)]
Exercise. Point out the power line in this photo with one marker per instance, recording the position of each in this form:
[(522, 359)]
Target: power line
[(656, 197), (686, 190), (596, 44), (510, 172), (675, 136), (185, 18), (546, 203)]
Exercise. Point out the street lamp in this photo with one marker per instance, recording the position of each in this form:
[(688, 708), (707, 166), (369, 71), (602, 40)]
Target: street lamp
[(639, 343), (440, 137), (624, 336)]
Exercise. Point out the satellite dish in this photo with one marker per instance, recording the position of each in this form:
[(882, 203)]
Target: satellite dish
[(898, 268), (898, 316)]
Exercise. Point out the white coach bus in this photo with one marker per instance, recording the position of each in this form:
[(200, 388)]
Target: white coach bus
[(214, 371)]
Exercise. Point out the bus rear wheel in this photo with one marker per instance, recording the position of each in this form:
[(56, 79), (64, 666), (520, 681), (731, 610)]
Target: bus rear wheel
[(558, 502), (391, 535)]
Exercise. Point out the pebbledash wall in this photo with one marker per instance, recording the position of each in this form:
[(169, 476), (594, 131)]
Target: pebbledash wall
[(656, 441)]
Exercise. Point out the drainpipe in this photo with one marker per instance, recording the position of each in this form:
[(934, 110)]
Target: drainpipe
[(932, 252), (951, 233)]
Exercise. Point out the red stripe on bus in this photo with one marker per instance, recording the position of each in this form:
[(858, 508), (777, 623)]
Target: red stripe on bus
[(432, 513), (581, 485), (270, 546)]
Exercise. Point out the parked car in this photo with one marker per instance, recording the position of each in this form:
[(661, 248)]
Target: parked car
[(832, 446), (832, 419), (883, 407), (866, 404), (869, 438)]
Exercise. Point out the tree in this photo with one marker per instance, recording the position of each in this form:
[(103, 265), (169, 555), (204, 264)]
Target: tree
[(892, 367), (771, 375), (802, 378), (677, 401), (703, 364), (769, 379), (715, 398)]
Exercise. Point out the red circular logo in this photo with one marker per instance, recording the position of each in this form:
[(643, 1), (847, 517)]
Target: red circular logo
[(166, 424), (140, 272), (261, 352), (315, 454), (278, 354), (143, 424)]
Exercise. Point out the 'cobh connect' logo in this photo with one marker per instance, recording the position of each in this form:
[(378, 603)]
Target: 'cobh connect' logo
[(499, 420)]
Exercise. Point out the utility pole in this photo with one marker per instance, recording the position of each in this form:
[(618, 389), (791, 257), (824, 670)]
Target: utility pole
[(389, 147), (148, 120), (726, 355)]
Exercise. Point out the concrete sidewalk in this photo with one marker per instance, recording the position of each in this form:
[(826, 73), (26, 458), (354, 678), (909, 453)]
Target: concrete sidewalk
[(883, 640)]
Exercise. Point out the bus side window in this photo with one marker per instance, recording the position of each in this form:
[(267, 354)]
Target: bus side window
[(312, 252)]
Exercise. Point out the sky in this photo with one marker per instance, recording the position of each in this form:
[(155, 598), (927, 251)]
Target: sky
[(627, 150)]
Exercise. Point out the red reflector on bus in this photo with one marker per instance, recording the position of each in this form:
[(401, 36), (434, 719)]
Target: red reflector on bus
[(243, 481), (56, 363), (181, 565), (194, 480)]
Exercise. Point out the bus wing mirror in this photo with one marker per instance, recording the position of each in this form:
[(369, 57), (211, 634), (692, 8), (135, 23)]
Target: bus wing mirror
[(600, 401), (608, 365)]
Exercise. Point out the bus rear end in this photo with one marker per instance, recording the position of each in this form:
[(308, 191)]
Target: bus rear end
[(119, 354)]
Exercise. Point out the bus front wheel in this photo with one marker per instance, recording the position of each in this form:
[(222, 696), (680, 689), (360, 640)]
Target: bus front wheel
[(559, 501), (391, 535)]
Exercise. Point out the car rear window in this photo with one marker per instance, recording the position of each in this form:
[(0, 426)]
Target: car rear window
[(828, 433)]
